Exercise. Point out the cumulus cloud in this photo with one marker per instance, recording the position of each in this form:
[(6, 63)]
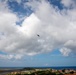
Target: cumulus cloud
[(58, 25), (4, 6), (65, 51), (56, 29), (19, 1), (68, 3)]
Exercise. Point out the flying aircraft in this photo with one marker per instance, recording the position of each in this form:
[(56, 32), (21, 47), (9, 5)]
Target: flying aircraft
[(38, 35)]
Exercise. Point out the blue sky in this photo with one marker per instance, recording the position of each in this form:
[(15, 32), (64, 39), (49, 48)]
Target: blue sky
[(20, 23)]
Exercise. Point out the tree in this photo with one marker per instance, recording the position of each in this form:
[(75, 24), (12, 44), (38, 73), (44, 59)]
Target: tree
[(63, 70), (72, 72)]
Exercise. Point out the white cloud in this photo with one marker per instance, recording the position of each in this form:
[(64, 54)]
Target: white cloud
[(19, 1), (4, 6), (68, 3), (29, 25), (10, 56), (65, 51), (24, 40), (56, 28)]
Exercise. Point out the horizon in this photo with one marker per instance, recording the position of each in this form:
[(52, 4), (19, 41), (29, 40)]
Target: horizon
[(34, 66)]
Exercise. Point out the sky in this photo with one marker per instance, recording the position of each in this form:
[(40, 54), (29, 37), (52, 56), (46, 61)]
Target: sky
[(21, 21)]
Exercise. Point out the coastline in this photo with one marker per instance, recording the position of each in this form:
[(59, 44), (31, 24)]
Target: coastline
[(29, 70), (52, 67)]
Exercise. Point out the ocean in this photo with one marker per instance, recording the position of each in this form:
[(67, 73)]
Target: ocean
[(57, 68)]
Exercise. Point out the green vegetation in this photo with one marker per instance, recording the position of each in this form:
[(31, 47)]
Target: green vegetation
[(71, 72), (33, 71), (47, 72), (28, 68), (63, 70)]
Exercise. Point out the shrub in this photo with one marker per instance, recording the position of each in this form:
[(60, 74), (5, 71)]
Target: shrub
[(63, 70), (72, 72)]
